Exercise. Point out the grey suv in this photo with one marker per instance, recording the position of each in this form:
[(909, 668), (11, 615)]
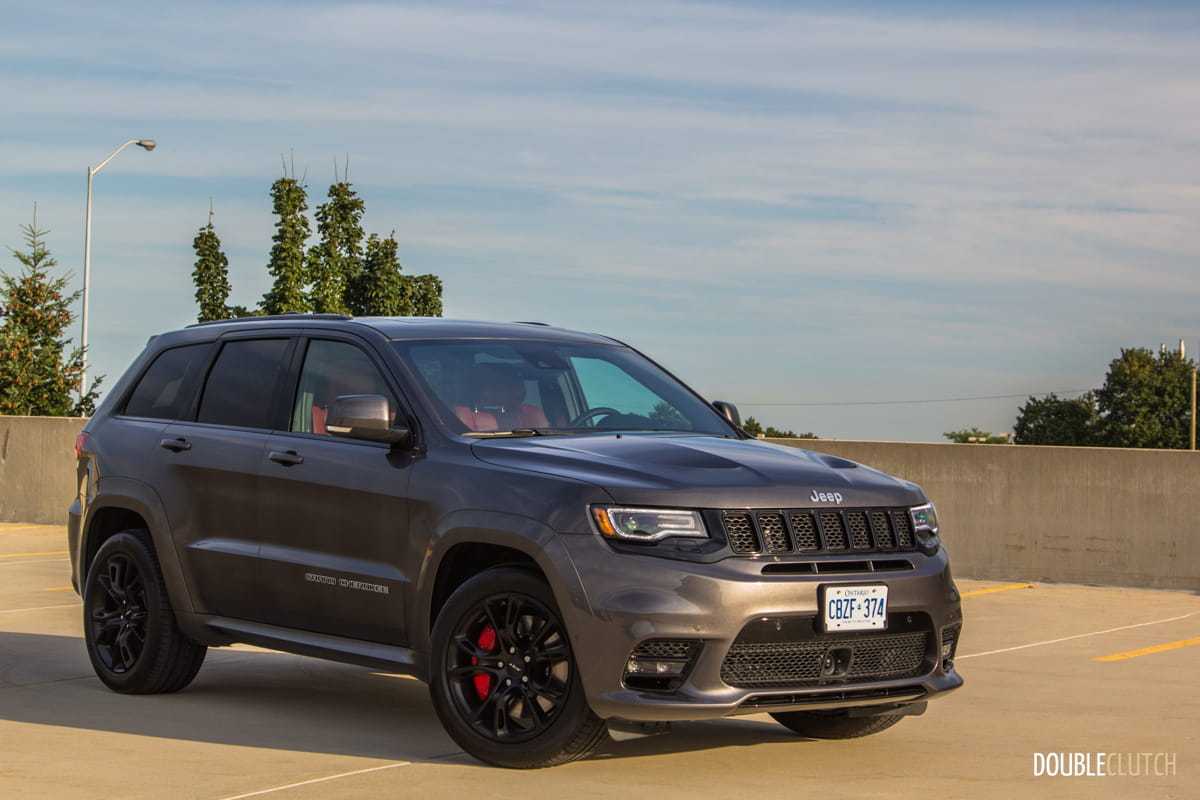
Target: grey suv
[(553, 532)]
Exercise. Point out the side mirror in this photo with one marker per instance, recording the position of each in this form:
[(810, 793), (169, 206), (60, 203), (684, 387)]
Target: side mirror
[(365, 416), (728, 411)]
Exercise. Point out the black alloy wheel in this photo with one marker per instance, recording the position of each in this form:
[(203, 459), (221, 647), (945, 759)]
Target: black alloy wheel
[(118, 613), (130, 630), (509, 670)]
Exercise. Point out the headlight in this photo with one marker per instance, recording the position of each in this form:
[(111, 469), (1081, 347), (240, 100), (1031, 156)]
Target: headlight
[(924, 518), (647, 524), (925, 528)]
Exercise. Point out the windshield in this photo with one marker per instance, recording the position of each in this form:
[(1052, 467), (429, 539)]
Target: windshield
[(495, 387)]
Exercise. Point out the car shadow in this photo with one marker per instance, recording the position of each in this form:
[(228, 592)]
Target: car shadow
[(260, 698)]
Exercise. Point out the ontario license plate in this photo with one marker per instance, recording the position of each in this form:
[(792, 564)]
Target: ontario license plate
[(854, 608)]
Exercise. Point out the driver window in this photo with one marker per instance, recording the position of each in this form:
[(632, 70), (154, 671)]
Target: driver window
[(332, 370)]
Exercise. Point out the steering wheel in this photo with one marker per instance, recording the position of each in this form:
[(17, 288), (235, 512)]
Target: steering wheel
[(592, 412)]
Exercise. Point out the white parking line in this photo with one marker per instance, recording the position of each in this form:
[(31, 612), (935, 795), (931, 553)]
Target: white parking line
[(318, 780), (33, 561), (38, 608), (1077, 636)]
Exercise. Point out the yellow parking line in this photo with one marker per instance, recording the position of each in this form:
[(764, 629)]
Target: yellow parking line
[(1008, 587), (60, 589), (1147, 651), (32, 555)]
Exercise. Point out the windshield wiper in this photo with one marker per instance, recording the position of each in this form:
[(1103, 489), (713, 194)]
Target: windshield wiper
[(515, 433)]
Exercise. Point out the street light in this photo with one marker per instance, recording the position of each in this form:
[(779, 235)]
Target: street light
[(147, 145)]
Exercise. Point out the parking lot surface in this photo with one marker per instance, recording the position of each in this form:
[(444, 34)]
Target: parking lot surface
[(1049, 669)]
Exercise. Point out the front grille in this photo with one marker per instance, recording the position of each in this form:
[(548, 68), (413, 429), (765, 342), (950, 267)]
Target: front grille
[(739, 530), (873, 657), (826, 530)]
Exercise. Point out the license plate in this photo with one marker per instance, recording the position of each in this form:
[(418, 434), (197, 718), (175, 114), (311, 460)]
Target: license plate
[(854, 608)]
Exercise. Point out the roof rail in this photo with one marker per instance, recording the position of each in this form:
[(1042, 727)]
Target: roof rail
[(290, 315), (530, 322)]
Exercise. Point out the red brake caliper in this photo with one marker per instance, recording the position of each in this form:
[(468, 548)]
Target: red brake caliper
[(487, 643)]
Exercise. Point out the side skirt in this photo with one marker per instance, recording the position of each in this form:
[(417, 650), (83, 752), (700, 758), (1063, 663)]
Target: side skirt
[(390, 658)]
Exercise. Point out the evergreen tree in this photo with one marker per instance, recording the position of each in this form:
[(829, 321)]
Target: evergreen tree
[(426, 293), (37, 374), (289, 203), (381, 291), (211, 274), (335, 262)]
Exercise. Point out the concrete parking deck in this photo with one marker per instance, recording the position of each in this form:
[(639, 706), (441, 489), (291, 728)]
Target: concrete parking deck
[(1049, 669)]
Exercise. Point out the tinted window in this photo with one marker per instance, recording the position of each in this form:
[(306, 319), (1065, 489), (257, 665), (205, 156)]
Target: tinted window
[(161, 393), (332, 370), (241, 386)]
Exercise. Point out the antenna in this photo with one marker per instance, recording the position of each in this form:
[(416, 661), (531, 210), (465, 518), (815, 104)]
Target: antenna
[(210, 212)]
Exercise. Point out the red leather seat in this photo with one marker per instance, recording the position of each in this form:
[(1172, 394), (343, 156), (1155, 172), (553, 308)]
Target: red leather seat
[(476, 420)]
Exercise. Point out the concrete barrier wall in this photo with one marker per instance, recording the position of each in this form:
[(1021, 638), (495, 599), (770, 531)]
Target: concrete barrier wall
[(37, 468), (1073, 514)]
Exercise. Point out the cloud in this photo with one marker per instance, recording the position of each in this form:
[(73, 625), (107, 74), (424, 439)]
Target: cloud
[(999, 196)]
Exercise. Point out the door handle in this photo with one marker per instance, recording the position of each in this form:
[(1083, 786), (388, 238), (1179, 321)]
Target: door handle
[(175, 445), (288, 458)]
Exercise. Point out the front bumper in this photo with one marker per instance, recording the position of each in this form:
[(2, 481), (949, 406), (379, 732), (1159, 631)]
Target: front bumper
[(633, 598)]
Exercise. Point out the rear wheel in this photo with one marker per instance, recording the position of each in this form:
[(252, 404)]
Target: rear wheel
[(503, 677), (132, 638), (815, 725)]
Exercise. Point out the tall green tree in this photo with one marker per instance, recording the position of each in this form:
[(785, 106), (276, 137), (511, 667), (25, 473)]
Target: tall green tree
[(335, 261), (1146, 400), (39, 371), (289, 201), (211, 274), (426, 293), (380, 290), (1058, 420)]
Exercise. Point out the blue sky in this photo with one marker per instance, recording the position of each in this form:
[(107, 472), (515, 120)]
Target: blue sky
[(781, 202)]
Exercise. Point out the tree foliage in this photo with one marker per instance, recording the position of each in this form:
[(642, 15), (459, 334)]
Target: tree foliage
[(1146, 400), (755, 428), (289, 201), (1058, 420), (211, 274), (974, 435), (380, 290), (39, 372), (341, 273), (334, 263)]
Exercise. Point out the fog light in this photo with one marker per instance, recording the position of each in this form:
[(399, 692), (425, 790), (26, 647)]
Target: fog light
[(654, 666), (947, 650)]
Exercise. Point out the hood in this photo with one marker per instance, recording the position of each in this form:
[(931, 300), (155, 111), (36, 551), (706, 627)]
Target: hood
[(700, 471)]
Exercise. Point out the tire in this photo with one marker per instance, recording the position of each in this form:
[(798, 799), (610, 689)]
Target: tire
[(469, 677), (834, 726), (132, 638)]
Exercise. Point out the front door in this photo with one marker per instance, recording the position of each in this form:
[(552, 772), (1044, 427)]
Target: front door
[(332, 545)]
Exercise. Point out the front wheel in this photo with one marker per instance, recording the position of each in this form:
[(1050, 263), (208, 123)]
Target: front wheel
[(503, 677), (816, 725)]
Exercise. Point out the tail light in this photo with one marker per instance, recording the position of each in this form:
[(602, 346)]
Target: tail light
[(81, 443)]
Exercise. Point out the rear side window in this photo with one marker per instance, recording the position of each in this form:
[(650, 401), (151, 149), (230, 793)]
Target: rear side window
[(163, 392), (240, 389)]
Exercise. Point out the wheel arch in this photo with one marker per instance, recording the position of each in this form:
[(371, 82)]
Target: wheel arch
[(470, 542), (119, 505)]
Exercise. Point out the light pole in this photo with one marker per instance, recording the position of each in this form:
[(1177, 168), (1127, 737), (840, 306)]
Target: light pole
[(147, 145)]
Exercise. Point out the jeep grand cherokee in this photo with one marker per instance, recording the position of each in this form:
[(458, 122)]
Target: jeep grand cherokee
[(547, 527)]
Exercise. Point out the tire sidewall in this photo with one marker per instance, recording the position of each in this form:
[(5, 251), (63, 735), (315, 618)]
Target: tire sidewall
[(158, 617), (575, 712)]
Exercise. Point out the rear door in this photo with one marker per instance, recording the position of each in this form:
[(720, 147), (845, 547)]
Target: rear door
[(211, 489), (335, 532)]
